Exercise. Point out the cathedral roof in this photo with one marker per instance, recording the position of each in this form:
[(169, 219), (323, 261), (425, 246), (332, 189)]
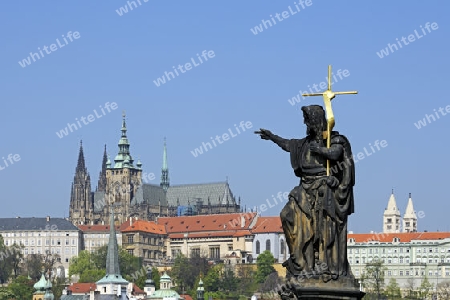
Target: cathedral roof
[(216, 193), (150, 194), (35, 224)]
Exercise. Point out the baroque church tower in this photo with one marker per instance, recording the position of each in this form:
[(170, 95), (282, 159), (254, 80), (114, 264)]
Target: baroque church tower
[(81, 205), (410, 218), (123, 179), (391, 216)]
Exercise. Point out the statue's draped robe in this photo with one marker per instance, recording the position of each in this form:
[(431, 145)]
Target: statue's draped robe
[(315, 218)]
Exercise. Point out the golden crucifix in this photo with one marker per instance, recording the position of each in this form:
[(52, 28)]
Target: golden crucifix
[(328, 95)]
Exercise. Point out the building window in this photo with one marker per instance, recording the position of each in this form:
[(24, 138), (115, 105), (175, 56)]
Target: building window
[(389, 273), (407, 273), (282, 247), (401, 273), (214, 252), (230, 248), (130, 251), (130, 239), (196, 252), (258, 247), (267, 245)]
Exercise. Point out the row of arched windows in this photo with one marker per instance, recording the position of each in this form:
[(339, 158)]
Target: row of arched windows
[(282, 246)]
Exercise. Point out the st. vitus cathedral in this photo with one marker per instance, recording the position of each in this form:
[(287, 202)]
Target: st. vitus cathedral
[(120, 186)]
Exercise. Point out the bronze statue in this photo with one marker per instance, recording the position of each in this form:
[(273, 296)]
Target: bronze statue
[(315, 218)]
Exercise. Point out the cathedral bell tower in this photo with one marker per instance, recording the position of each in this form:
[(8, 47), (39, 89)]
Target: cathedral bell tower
[(122, 179)]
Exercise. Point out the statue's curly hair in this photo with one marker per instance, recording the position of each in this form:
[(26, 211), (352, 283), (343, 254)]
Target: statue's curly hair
[(315, 118)]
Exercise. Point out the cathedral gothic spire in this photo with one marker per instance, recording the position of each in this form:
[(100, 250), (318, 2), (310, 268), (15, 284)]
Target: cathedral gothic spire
[(101, 186), (81, 204), (165, 183)]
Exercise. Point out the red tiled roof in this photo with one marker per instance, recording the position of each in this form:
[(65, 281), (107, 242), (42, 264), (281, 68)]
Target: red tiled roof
[(205, 234), (202, 223), (137, 290), (82, 288), (145, 226), (404, 237), (186, 297), (268, 225)]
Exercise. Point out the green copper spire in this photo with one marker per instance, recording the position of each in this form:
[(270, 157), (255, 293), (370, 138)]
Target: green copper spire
[(112, 257), (165, 170), (124, 149)]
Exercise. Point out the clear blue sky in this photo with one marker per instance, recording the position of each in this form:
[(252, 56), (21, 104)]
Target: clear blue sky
[(250, 78)]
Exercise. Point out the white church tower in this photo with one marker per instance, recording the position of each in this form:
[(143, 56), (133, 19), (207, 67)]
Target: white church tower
[(410, 218), (391, 216)]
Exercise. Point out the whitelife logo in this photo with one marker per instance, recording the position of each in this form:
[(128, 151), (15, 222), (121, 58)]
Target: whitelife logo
[(90, 118), (71, 36)]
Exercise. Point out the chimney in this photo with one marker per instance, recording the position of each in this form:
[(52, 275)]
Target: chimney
[(242, 221), (131, 221), (48, 218)]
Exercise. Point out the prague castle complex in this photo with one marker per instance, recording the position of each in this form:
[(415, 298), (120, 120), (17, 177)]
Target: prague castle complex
[(120, 185)]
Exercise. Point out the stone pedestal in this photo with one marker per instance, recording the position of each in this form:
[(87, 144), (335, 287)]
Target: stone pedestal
[(313, 288)]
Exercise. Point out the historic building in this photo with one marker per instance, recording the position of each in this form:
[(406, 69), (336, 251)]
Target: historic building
[(120, 185), (218, 237), (269, 236), (145, 239), (44, 236), (408, 257)]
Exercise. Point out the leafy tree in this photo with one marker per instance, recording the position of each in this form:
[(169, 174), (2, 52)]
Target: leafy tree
[(22, 288), (443, 290), (33, 266), (15, 258), (5, 266), (411, 288), (92, 275), (247, 283), (425, 288), (89, 265), (211, 282), (229, 281), (156, 277), (393, 290), (181, 274), (373, 278), (6, 294), (58, 284), (81, 263), (265, 267)]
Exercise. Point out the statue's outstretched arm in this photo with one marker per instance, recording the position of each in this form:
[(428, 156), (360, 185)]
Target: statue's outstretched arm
[(268, 135)]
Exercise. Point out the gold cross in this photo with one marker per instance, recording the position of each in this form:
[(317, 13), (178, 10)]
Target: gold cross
[(329, 95)]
